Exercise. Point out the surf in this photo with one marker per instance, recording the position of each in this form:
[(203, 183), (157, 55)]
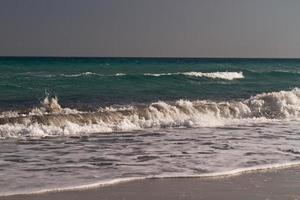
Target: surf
[(51, 119)]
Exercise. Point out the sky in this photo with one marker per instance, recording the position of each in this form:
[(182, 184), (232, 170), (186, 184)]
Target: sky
[(150, 28)]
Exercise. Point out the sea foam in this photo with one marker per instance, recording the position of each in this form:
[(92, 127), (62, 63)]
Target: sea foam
[(217, 75), (213, 75), (53, 120)]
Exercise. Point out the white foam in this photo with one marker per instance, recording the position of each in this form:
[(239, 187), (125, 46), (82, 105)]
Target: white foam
[(52, 120), (81, 74), (120, 74), (90, 74), (162, 74), (217, 75), (213, 75)]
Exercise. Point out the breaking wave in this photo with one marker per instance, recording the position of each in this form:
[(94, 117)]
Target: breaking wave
[(52, 120), (81, 74), (213, 75)]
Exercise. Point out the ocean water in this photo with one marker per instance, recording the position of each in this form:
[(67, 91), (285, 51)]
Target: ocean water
[(81, 122)]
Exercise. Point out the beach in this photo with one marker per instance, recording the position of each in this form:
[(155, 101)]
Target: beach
[(274, 184)]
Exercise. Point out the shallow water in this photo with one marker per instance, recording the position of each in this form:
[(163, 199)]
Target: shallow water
[(54, 163)]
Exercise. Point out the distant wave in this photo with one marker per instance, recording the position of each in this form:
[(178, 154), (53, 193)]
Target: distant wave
[(91, 74), (213, 75), (81, 74), (225, 75), (84, 74), (219, 75), (53, 120), (120, 74)]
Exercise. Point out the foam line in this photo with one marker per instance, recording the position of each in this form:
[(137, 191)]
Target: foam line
[(104, 183)]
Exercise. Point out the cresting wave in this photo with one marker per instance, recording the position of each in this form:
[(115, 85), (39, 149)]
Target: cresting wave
[(90, 74), (213, 75), (104, 183), (53, 120), (81, 74)]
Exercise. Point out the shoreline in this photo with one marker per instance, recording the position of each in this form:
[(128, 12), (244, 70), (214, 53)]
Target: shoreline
[(276, 183), (116, 181)]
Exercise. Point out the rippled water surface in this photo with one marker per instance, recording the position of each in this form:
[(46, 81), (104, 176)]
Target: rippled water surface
[(35, 164)]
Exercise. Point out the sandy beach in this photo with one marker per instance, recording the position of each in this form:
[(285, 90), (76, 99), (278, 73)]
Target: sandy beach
[(276, 184)]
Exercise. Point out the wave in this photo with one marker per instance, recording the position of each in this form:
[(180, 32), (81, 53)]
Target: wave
[(213, 75), (90, 74), (120, 74), (52, 120), (115, 181), (225, 75), (81, 74), (217, 75)]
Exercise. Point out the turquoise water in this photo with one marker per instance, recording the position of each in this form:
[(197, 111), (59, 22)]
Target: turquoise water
[(91, 82)]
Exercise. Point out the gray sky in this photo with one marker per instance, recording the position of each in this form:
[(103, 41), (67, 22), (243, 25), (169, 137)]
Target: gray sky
[(180, 28)]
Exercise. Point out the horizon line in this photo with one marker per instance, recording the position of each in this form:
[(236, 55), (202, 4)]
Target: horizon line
[(153, 57)]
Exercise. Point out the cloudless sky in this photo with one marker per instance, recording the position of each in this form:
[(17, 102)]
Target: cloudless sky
[(179, 28)]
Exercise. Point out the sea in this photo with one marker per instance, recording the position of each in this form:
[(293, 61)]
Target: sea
[(75, 123)]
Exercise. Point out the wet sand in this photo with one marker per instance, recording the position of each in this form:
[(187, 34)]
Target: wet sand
[(279, 184)]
